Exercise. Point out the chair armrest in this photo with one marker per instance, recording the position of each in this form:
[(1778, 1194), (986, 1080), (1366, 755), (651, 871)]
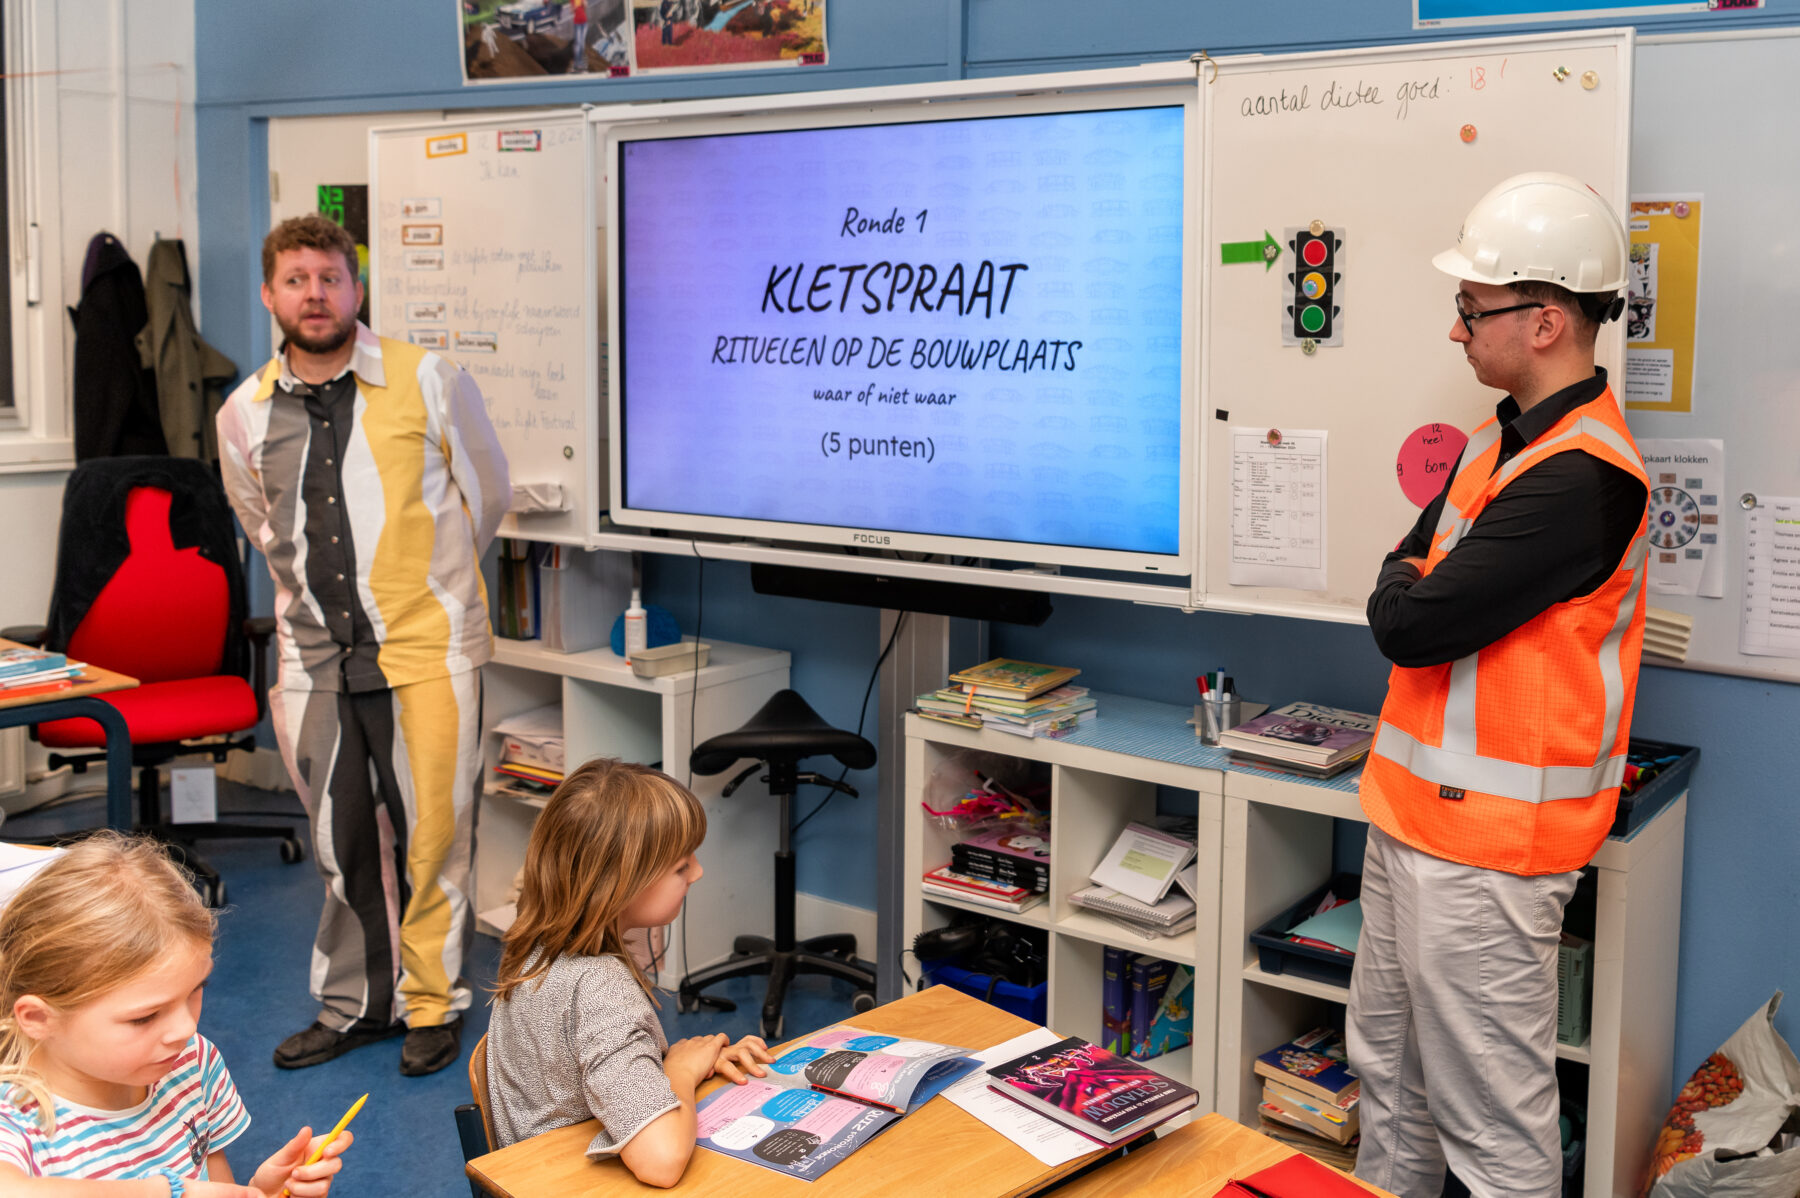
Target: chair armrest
[(26, 634), (257, 630)]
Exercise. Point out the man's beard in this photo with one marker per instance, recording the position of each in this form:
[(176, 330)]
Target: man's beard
[(330, 343)]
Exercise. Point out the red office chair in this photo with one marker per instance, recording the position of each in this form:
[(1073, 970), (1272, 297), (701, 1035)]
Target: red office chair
[(149, 583)]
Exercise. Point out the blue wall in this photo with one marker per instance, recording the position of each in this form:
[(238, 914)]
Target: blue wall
[(257, 61)]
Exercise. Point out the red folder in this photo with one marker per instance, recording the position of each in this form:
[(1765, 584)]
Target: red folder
[(1297, 1177)]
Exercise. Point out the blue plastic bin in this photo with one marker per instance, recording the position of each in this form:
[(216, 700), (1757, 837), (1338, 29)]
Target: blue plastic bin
[(1027, 1002)]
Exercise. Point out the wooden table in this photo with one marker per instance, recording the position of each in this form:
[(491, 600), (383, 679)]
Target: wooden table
[(939, 1149), (1197, 1159), (80, 700)]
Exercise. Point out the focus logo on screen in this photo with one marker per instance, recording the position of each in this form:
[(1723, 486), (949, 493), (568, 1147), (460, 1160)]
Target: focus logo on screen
[(869, 538)]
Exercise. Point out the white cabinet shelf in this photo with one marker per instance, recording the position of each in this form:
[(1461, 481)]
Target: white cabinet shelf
[(1265, 840), (608, 711)]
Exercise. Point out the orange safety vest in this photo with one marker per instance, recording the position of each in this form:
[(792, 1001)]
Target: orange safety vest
[(1510, 758)]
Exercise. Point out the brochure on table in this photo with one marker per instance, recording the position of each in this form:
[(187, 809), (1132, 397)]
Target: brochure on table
[(825, 1097)]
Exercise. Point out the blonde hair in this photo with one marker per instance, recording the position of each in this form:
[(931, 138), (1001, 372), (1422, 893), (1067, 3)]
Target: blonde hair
[(610, 830), (90, 921)]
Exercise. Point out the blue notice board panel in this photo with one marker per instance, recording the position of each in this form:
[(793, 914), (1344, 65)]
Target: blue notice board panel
[(1435, 14)]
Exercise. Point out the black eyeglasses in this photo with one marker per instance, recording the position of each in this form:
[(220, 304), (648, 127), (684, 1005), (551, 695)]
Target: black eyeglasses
[(1469, 318)]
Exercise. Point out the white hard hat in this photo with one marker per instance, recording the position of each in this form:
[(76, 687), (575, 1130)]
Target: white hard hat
[(1542, 226)]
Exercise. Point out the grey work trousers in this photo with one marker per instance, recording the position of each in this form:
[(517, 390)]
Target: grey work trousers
[(1452, 1025)]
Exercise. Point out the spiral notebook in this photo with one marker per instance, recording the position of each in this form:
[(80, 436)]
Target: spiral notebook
[(1175, 910)]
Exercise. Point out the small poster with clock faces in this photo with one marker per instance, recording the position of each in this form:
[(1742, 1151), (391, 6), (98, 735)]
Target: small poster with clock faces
[(1687, 537)]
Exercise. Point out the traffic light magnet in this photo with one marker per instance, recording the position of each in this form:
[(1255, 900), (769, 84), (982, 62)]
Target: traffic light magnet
[(1312, 309)]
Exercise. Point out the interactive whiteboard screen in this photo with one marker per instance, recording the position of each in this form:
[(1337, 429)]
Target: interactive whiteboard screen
[(954, 335)]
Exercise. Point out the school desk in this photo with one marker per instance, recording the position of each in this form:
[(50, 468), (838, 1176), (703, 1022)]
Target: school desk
[(1197, 1159), (938, 1149), (79, 700)]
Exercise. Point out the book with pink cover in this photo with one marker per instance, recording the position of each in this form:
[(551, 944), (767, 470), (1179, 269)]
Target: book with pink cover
[(1309, 733), (1098, 1093)]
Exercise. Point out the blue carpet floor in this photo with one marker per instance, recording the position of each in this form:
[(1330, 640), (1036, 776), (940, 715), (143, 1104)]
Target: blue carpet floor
[(406, 1140)]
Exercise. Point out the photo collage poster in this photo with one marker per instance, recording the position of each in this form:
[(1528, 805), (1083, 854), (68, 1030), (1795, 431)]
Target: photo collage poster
[(525, 40)]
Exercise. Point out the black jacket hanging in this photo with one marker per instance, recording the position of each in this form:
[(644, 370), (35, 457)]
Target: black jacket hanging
[(115, 395)]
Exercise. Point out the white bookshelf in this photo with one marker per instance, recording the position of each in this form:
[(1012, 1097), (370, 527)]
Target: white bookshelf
[(608, 711), (1265, 842), (1094, 792)]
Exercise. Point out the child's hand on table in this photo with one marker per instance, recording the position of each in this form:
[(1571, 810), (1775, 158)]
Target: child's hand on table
[(692, 1060), (739, 1062)]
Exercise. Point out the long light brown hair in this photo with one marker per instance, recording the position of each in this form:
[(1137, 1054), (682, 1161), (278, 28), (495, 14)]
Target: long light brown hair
[(610, 830), (89, 922)]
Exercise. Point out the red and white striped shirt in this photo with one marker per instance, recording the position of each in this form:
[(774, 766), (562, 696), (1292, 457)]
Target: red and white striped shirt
[(191, 1113)]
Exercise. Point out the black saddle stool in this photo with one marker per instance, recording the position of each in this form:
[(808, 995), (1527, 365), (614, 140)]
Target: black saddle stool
[(779, 736)]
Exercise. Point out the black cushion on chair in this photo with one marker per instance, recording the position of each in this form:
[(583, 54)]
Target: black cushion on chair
[(785, 729)]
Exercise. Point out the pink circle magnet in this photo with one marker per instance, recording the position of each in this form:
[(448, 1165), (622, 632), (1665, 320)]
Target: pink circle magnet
[(1468, 133), (1274, 437), (1425, 458), (1682, 209)]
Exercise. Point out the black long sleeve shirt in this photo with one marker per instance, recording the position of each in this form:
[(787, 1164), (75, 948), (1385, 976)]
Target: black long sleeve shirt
[(1555, 532)]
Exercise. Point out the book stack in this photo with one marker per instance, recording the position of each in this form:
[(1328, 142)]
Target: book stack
[(1302, 738), (1310, 1097), (948, 882), (1135, 883), (531, 755), (1014, 858), (1172, 916), (25, 672), (1146, 1004), (1018, 697)]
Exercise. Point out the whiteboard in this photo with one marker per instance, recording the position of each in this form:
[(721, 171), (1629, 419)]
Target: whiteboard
[(1747, 358), (484, 251), (1371, 143)]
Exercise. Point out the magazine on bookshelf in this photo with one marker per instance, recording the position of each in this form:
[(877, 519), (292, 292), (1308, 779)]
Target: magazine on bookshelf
[(1143, 863), (955, 699), (1309, 733), (825, 1097), (1098, 1093), (1299, 769), (1006, 677), (1315, 1064)]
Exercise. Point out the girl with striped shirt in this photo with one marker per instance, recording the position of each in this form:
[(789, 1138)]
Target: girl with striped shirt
[(106, 1088)]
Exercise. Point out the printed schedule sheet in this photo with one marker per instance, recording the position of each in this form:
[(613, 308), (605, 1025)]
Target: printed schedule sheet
[(1278, 508)]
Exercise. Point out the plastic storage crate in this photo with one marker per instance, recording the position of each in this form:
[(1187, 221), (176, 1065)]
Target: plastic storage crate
[(1027, 1002), (1671, 779), (1277, 954)]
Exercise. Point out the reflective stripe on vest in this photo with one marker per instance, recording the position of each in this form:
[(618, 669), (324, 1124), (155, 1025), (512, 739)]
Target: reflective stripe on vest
[(1451, 519)]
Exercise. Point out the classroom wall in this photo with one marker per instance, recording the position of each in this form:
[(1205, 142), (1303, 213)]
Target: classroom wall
[(402, 54), (121, 159)]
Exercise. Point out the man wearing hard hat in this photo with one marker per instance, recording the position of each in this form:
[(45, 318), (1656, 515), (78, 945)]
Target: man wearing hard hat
[(1513, 613)]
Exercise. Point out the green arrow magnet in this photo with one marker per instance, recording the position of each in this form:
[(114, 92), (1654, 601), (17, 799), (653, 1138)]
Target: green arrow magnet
[(1264, 251)]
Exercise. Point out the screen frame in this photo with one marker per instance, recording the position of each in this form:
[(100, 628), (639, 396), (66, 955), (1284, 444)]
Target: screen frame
[(1181, 563)]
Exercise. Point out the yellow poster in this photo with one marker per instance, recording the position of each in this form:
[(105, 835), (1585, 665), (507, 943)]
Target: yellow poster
[(1663, 288)]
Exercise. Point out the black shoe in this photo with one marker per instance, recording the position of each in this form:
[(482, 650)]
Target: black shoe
[(318, 1044), (429, 1049)]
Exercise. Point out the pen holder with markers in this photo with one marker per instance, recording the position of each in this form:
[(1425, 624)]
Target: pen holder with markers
[(1215, 714)]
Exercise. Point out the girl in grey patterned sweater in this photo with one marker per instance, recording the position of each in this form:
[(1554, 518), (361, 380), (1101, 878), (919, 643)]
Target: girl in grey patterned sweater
[(574, 1033)]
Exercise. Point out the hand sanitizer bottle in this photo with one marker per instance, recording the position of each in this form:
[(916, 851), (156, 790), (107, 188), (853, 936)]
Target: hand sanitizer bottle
[(637, 627)]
